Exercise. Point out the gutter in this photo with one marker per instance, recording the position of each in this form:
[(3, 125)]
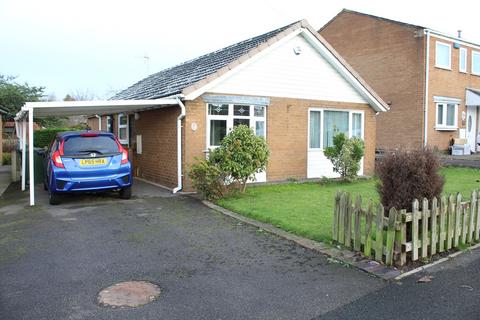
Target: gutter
[(426, 98), (179, 145)]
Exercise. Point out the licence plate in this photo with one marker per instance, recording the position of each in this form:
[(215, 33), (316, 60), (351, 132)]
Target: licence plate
[(93, 162)]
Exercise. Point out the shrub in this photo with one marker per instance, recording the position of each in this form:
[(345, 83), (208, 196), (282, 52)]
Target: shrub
[(408, 175), (7, 159), (42, 138), (345, 155), (241, 154), (208, 179)]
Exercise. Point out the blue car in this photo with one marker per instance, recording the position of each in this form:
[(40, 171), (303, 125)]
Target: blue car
[(86, 161)]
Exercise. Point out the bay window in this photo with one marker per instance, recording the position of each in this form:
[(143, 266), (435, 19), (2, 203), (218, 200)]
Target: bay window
[(326, 124), (221, 118)]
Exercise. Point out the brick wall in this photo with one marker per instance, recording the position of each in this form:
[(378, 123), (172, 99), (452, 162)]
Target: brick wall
[(287, 126), (448, 83), (158, 161), (390, 57)]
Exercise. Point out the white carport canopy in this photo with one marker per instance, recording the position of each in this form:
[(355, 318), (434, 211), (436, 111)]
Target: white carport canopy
[(88, 108), (472, 97)]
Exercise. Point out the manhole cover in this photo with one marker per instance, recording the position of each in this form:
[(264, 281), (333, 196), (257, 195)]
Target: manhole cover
[(128, 294)]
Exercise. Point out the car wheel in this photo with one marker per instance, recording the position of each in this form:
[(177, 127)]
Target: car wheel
[(53, 198), (126, 193)]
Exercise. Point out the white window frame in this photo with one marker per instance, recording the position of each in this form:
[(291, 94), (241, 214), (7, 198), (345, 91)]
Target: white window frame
[(439, 43), (463, 51), (322, 129), (475, 54), (121, 126), (229, 118), (108, 124), (443, 126)]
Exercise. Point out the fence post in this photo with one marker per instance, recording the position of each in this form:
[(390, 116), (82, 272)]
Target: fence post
[(424, 228), (392, 218), (357, 240), (379, 234), (348, 221), (367, 247), (442, 236), (473, 213), (415, 215), (433, 227), (451, 221), (458, 219), (477, 226), (336, 213), (341, 218)]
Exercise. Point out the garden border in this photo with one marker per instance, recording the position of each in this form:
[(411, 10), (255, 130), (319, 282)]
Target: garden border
[(343, 256)]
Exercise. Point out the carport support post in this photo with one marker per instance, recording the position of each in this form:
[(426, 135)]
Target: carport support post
[(24, 152), (30, 156)]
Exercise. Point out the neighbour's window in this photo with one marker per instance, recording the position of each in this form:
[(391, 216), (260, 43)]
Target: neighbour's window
[(443, 55), (476, 63), (321, 133), (462, 63), (122, 128), (223, 117), (446, 116)]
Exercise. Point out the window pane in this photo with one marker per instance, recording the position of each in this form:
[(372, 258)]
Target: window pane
[(122, 133), (463, 60), (260, 128), (450, 115), (218, 109), (237, 122), (442, 58), (334, 123), (315, 123), (440, 114), (476, 62), (218, 130), (239, 110), (122, 119), (357, 125), (259, 111), (85, 145)]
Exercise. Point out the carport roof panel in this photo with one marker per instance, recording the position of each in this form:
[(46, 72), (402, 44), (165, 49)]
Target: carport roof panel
[(102, 107)]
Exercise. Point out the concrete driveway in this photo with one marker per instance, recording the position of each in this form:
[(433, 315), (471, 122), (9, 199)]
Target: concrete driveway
[(55, 259)]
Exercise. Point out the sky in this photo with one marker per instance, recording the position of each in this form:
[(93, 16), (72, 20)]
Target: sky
[(100, 47)]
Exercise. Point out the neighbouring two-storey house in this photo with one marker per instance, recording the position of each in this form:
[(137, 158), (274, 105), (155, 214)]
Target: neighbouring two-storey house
[(430, 80)]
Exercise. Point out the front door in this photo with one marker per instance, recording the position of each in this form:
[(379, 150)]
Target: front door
[(472, 127)]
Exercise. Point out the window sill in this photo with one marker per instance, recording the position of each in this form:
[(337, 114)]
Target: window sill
[(475, 74), (446, 128), (444, 68)]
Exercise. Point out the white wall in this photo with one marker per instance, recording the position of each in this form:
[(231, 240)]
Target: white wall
[(282, 73)]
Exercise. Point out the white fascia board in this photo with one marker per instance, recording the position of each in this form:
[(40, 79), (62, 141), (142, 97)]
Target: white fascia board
[(195, 94), (444, 36), (326, 54)]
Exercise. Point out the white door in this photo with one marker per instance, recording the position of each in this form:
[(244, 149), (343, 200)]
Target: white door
[(472, 127)]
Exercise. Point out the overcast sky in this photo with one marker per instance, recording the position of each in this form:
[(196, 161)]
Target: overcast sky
[(100, 45)]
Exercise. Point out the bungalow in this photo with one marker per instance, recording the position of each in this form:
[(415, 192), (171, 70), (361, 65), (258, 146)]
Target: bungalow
[(289, 85)]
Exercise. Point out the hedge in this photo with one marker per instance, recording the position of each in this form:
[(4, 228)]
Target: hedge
[(42, 138)]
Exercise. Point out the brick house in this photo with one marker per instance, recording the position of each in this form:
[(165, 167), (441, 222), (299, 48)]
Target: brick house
[(430, 80), (288, 85)]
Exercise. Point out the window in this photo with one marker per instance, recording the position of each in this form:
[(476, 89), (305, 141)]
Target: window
[(122, 128), (109, 124), (325, 124), (446, 118), (462, 63), (223, 117), (443, 55), (476, 63)]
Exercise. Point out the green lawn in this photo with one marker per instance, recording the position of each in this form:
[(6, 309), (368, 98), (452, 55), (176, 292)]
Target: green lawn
[(306, 208)]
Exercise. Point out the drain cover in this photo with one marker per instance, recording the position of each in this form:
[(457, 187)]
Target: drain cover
[(128, 294)]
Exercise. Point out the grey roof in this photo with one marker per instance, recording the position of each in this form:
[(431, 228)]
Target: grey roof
[(173, 80)]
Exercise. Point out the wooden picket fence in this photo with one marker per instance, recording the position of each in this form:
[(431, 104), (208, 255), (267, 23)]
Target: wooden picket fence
[(435, 226)]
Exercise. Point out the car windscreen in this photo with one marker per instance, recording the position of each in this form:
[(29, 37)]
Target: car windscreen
[(86, 145)]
